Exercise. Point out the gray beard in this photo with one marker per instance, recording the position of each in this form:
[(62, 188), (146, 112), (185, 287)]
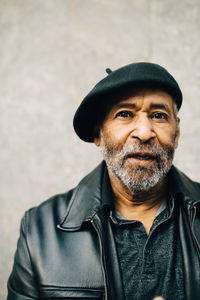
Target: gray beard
[(139, 178)]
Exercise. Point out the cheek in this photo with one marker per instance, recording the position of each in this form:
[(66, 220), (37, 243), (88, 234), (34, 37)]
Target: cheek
[(167, 137), (116, 135)]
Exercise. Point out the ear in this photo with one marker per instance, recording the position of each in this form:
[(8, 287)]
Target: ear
[(97, 136), (97, 141), (177, 133)]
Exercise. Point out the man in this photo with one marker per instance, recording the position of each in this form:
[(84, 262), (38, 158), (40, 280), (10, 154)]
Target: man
[(130, 229)]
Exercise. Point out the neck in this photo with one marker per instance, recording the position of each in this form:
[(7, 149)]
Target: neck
[(141, 206)]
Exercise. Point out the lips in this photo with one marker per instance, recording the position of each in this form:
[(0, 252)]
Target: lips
[(141, 156)]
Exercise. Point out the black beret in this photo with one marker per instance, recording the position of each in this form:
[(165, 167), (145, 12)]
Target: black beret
[(133, 75)]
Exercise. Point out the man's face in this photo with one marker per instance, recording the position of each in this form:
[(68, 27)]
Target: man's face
[(138, 138)]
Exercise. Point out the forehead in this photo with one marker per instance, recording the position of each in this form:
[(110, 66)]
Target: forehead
[(141, 97)]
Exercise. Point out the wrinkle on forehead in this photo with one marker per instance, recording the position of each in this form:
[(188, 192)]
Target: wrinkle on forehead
[(146, 100)]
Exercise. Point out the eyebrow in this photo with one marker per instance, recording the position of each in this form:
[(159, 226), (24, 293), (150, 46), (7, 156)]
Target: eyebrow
[(134, 106), (160, 106)]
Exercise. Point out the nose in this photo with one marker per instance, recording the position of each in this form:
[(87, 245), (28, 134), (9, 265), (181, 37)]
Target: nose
[(143, 129)]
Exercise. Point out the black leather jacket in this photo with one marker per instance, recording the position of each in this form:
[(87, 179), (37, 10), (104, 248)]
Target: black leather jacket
[(66, 248)]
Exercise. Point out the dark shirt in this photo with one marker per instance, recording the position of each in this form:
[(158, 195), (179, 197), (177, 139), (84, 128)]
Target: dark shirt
[(151, 265)]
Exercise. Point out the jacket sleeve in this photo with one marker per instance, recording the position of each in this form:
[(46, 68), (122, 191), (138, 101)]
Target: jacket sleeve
[(22, 283)]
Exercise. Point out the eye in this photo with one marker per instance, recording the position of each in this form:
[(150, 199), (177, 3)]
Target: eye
[(160, 116), (124, 114)]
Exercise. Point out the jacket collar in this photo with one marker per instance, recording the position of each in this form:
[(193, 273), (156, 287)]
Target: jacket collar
[(85, 201), (180, 184), (87, 197)]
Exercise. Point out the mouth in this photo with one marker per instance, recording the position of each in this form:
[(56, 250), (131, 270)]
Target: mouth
[(145, 160), (141, 156)]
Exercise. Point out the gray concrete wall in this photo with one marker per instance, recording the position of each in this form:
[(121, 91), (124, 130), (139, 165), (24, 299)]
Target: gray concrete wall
[(51, 53)]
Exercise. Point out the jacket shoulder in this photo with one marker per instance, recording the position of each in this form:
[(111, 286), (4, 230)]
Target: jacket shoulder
[(53, 208)]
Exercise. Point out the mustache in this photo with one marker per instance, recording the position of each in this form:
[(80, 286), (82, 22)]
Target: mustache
[(143, 148)]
